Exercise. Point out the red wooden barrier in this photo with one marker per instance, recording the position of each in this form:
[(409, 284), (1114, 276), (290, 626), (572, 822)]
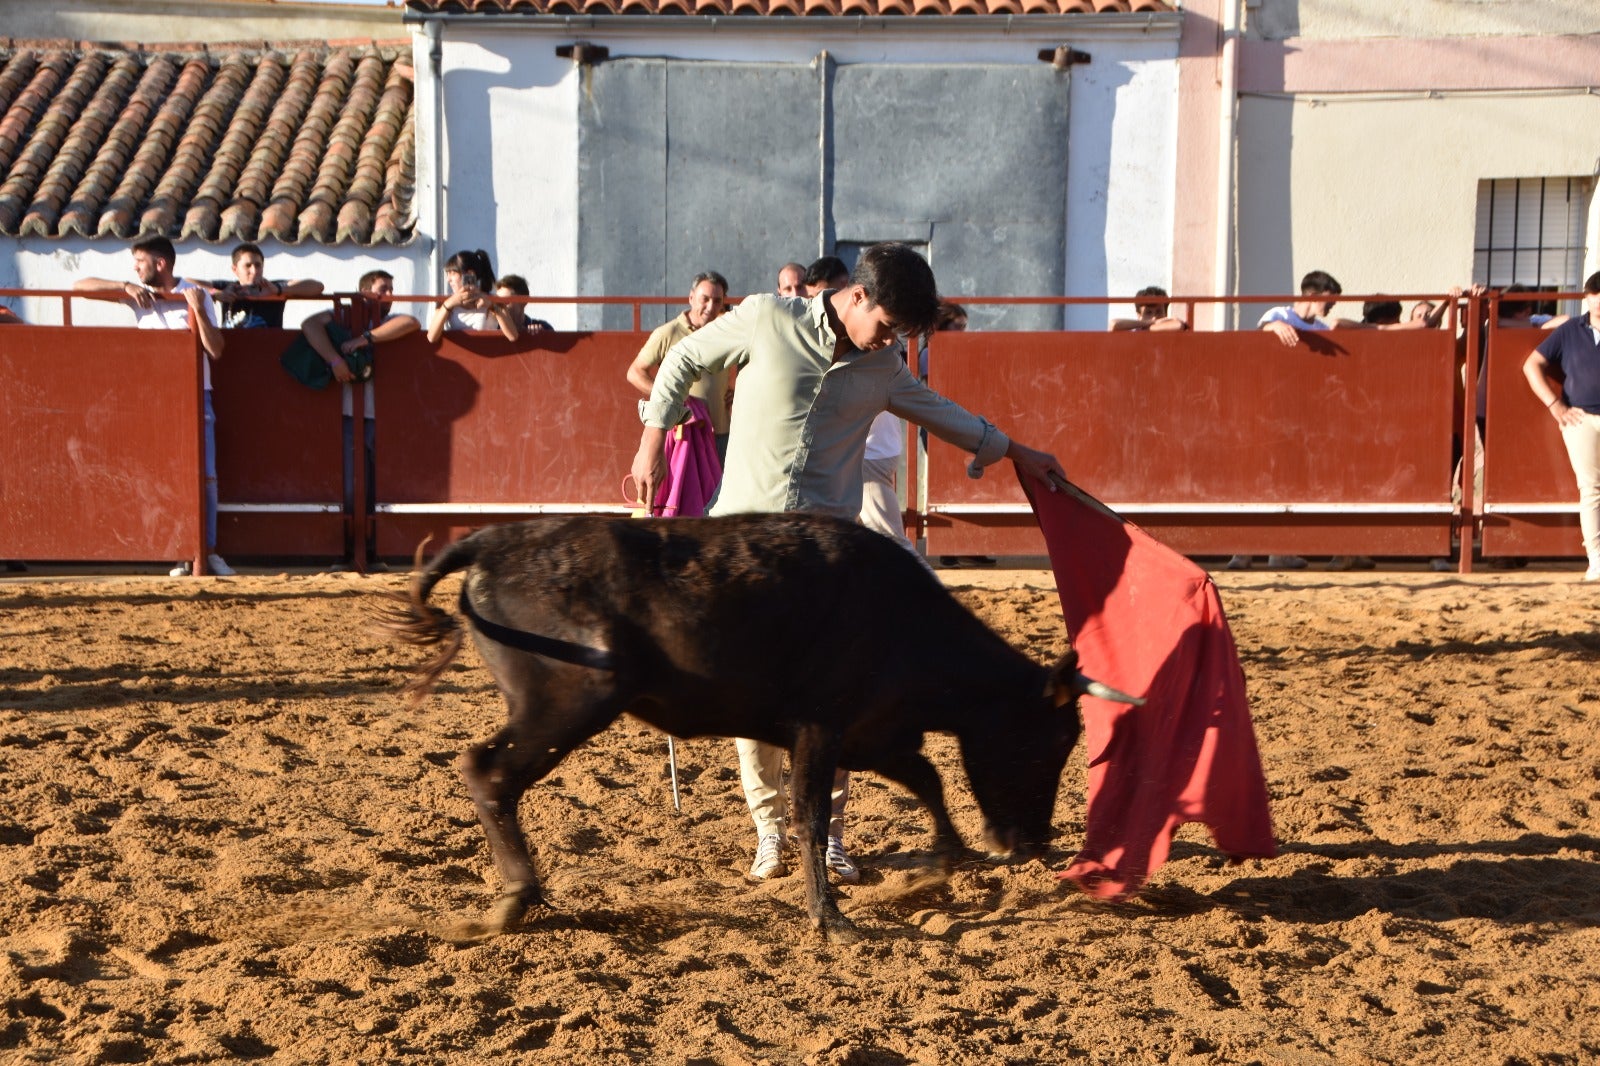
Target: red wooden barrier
[(100, 457), (280, 462), (485, 429), (1216, 442), (1530, 498)]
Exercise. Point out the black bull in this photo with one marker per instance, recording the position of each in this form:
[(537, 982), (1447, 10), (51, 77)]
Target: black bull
[(803, 631)]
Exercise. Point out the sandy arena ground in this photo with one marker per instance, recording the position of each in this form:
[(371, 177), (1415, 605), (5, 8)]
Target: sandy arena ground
[(223, 836)]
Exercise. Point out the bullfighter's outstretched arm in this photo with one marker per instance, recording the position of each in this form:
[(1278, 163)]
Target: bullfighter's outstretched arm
[(949, 421)]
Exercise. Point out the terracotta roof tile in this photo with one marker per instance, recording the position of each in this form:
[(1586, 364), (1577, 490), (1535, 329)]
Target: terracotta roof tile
[(786, 8), (221, 143)]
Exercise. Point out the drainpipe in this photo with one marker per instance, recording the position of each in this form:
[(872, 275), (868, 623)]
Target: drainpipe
[(824, 65), (1227, 130), (433, 32)]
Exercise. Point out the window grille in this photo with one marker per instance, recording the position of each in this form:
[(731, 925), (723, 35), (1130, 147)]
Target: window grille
[(1530, 232)]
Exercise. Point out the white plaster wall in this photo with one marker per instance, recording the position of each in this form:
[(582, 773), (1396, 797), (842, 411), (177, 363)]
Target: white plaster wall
[(38, 264), (1339, 19), (510, 156), (1122, 181), (512, 137), (1382, 192)]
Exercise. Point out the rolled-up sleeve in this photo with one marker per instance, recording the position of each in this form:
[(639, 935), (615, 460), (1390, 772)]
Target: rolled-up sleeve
[(947, 420), (721, 343)]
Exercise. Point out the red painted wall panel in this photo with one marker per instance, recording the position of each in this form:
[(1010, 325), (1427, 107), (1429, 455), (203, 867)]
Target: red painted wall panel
[(100, 458), (1216, 419), (547, 420)]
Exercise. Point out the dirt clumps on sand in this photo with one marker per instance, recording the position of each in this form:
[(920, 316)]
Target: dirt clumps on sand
[(224, 836)]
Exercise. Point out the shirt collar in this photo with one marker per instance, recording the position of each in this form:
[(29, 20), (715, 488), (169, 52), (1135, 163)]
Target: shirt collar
[(817, 314)]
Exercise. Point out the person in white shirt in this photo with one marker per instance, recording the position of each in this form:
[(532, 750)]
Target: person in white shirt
[(160, 300), (1310, 312), (471, 304)]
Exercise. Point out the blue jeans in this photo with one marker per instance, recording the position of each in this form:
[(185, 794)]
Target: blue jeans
[(211, 476)]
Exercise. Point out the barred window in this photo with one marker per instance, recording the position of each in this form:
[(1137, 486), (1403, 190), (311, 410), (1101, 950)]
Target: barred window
[(1530, 231)]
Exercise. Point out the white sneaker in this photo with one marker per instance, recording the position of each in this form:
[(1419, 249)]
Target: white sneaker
[(840, 863), (769, 858), (1441, 565), (218, 566), (1285, 562), (1239, 562), (1593, 574), (181, 570)]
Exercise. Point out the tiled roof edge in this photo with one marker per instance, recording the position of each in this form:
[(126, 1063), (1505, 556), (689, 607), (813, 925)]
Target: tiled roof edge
[(390, 48)]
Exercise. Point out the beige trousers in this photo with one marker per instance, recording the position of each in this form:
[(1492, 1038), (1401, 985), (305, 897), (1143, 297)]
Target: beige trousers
[(1583, 449), (880, 504), (761, 771)]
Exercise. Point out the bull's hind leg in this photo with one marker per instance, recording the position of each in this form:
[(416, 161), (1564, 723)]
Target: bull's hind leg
[(501, 769), (497, 775), (815, 757)]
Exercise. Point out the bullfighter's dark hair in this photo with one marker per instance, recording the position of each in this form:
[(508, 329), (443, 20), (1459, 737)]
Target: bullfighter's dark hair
[(712, 276), (1320, 283), (158, 246), (825, 270), (477, 262), (901, 282)]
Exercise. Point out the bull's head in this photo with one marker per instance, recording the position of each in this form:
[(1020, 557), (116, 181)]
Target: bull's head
[(1015, 770)]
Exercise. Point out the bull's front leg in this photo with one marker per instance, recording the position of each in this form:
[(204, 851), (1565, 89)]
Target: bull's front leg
[(913, 770), (816, 758)]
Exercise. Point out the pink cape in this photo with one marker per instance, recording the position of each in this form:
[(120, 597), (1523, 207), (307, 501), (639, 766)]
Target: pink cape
[(1149, 622), (693, 471)]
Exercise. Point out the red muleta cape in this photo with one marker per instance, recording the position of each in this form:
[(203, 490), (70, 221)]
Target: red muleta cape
[(1146, 620)]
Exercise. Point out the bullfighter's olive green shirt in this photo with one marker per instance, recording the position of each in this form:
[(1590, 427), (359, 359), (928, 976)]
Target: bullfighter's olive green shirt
[(800, 418)]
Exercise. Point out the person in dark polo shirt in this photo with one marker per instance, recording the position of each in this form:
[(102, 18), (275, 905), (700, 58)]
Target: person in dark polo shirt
[(240, 298), (1564, 373)]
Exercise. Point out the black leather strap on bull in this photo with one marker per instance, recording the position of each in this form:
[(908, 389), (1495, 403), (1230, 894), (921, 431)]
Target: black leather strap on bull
[(549, 647)]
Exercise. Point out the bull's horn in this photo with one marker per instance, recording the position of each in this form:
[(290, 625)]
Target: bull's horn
[(1090, 687)]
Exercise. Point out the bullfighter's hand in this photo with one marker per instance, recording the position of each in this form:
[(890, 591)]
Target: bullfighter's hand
[(650, 465), (1036, 464)]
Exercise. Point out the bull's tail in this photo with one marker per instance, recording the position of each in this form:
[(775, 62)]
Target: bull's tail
[(410, 619)]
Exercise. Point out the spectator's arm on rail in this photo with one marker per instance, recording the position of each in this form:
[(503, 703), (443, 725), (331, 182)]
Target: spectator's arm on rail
[(203, 315), (1284, 332), (128, 292)]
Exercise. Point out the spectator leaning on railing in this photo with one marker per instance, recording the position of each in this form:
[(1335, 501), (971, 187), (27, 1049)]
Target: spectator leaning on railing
[(241, 299), (471, 304), (335, 346), (1150, 304), (161, 301)]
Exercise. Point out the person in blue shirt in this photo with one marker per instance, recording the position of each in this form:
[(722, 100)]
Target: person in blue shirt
[(1564, 373)]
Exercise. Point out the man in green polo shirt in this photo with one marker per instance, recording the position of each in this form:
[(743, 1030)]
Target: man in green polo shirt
[(813, 374)]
